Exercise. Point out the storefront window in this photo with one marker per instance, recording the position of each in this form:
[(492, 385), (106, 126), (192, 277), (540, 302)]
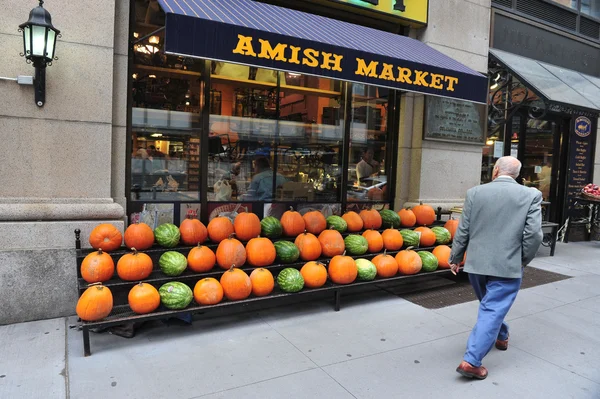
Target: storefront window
[(567, 3), (368, 170), (591, 8)]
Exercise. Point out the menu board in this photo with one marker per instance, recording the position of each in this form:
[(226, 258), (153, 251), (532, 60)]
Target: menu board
[(580, 159), (454, 120)]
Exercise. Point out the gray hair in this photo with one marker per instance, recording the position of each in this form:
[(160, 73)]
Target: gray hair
[(508, 166)]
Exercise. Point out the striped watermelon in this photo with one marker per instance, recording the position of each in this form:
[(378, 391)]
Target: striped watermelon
[(430, 262), (271, 227), (167, 235), (175, 295), (442, 235), (356, 245), (411, 239), (337, 223), (287, 251), (290, 280), (389, 218), (172, 263)]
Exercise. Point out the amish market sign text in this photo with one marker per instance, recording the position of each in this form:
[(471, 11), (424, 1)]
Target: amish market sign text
[(312, 58)]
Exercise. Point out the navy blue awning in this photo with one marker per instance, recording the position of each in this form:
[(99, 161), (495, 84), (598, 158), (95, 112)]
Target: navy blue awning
[(258, 34)]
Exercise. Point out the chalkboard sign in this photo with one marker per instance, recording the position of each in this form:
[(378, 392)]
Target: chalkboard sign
[(580, 159), (454, 120)]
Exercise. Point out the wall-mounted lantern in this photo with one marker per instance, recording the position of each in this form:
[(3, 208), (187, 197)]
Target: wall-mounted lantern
[(39, 40)]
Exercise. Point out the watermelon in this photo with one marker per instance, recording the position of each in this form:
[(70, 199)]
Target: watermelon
[(390, 218), (271, 227), (172, 263), (337, 223), (175, 295), (442, 235), (355, 244), (430, 262), (366, 269), (167, 235), (290, 280), (287, 251), (411, 239)]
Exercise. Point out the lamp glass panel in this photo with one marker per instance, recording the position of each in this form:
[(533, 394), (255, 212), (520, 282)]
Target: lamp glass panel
[(27, 39), (50, 45), (39, 40)]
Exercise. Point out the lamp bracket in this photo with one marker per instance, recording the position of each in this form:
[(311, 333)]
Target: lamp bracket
[(21, 79)]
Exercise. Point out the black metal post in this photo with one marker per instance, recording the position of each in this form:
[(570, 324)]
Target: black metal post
[(337, 300), (86, 341), (40, 84), (77, 239)]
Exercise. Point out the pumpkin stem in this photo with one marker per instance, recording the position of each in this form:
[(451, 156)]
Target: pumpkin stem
[(344, 254), (232, 266), (291, 208), (231, 236), (134, 251), (246, 208), (97, 285), (385, 252), (100, 251)]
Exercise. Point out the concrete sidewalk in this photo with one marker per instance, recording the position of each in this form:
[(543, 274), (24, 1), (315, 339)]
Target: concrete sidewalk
[(377, 346)]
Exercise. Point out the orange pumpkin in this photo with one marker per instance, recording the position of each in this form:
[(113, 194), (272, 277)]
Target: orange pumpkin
[(139, 235), (246, 226), (220, 228), (427, 237), (374, 240), (236, 284), (342, 269), (424, 214), (292, 223), (231, 252), (201, 259), (315, 222), (354, 221), (392, 239), (262, 282), (371, 219), (409, 262), (386, 265), (97, 267), (143, 298), (314, 274), (95, 303), (208, 291), (260, 252), (309, 246), (407, 217), (442, 253), (332, 243), (451, 225), (106, 236), (134, 266), (193, 232)]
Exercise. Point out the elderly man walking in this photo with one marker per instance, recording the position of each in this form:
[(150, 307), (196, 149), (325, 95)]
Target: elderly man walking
[(501, 227)]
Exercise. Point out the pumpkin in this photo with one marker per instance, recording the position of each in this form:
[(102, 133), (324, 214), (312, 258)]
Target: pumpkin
[(314, 274), (332, 243), (219, 229), (246, 226), (260, 252), (95, 303), (392, 239), (97, 267), (201, 259), (106, 236), (193, 232), (375, 194), (309, 246), (424, 214), (386, 265), (208, 291), (236, 284), (374, 240), (143, 298), (371, 219), (442, 253), (231, 252), (409, 262), (354, 221), (451, 225), (139, 235), (407, 217), (292, 223), (427, 237), (262, 282), (315, 222), (342, 269), (134, 266)]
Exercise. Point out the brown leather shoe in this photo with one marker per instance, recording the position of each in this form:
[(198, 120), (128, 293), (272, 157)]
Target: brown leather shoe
[(466, 370), (502, 344)]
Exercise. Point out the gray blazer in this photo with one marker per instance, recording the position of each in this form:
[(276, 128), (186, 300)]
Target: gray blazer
[(500, 228)]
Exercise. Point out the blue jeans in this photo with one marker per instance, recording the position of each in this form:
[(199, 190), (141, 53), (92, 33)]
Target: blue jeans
[(496, 295)]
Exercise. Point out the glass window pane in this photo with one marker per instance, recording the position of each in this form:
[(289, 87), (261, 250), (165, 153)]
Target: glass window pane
[(591, 8), (567, 3), (368, 171)]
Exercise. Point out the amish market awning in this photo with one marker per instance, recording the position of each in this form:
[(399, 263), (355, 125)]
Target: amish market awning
[(258, 34), (555, 85)]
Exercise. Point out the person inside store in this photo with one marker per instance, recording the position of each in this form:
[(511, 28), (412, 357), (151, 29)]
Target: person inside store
[(501, 229), (154, 153), (261, 186), (232, 176), (367, 166)]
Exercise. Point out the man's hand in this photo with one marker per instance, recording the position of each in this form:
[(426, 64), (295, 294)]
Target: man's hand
[(454, 268)]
